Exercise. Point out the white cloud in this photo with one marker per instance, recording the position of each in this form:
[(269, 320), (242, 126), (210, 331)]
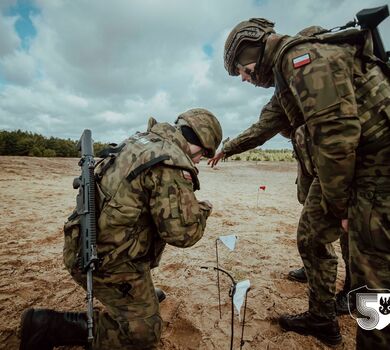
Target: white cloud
[(76, 101), (18, 68), (111, 67), (9, 40), (109, 117)]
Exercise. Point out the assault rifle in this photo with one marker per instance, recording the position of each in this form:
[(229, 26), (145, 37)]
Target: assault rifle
[(370, 19), (87, 210)]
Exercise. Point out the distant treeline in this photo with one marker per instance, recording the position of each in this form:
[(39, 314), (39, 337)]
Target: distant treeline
[(271, 155), (23, 143)]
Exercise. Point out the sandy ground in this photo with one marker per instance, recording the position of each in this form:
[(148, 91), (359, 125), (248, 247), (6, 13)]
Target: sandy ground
[(37, 196)]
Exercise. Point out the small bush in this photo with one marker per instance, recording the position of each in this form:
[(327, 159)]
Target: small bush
[(283, 155)]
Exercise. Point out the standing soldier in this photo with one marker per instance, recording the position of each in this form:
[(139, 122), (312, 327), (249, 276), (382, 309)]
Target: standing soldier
[(334, 93), (272, 121), (145, 200)]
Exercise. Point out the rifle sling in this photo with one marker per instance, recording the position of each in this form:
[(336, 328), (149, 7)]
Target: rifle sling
[(133, 174)]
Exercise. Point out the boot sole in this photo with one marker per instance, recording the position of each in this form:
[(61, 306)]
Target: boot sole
[(24, 333), (330, 340)]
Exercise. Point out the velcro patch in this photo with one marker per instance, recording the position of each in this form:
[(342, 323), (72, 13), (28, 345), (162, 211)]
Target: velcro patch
[(187, 175), (301, 60), (143, 141)]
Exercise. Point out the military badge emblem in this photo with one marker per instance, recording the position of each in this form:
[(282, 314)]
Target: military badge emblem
[(301, 60), (373, 305)]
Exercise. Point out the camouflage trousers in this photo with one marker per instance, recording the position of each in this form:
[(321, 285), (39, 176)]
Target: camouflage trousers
[(131, 319), (369, 239), (316, 233)]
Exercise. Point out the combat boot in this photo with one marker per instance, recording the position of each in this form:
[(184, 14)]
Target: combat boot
[(44, 329), (344, 304), (160, 294), (325, 330), (345, 301), (298, 275)]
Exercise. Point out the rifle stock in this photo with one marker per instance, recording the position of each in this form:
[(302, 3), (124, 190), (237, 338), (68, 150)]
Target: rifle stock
[(370, 19)]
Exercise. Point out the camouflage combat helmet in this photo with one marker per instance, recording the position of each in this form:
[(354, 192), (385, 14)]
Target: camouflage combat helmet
[(255, 30), (206, 127)]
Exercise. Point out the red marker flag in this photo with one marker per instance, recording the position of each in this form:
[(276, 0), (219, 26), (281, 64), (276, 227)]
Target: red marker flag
[(262, 188)]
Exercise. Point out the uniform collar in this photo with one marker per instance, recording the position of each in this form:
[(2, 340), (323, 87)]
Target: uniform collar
[(169, 132)]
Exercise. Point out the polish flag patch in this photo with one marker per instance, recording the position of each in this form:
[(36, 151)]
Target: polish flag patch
[(301, 60)]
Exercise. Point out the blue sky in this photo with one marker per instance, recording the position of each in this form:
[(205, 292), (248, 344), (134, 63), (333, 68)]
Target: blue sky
[(70, 65), (24, 27)]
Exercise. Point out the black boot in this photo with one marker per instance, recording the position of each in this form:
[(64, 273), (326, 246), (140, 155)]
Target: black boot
[(298, 275), (323, 329), (160, 294), (44, 329), (344, 304)]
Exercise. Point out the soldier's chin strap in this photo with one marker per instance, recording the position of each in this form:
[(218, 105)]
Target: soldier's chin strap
[(256, 69), (195, 154), (253, 73)]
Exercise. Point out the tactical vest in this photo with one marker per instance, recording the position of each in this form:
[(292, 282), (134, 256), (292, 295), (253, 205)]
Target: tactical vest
[(126, 231), (372, 91)]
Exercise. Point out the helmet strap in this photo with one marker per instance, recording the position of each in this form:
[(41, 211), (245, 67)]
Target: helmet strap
[(194, 155), (256, 69)]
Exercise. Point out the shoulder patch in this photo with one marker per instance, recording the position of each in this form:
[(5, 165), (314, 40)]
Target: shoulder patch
[(301, 60)]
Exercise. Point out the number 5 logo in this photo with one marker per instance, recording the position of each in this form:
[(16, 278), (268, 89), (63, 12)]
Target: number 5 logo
[(373, 307)]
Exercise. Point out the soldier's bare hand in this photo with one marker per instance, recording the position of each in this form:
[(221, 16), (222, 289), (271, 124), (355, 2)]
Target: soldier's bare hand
[(344, 224), (214, 161)]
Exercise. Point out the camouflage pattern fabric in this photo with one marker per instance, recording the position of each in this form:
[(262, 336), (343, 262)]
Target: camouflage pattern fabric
[(205, 125), (369, 239), (132, 317), (303, 187), (301, 143), (344, 101), (303, 184), (344, 245), (273, 119), (138, 216), (254, 30), (316, 233), (336, 118)]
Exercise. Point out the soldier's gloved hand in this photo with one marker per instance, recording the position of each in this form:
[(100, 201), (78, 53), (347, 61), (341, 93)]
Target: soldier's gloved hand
[(206, 206)]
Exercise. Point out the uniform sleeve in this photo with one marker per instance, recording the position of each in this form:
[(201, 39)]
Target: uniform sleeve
[(178, 216), (324, 91), (272, 120)]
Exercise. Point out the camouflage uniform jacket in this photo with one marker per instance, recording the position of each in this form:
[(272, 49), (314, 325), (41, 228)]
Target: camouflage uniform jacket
[(343, 97), (140, 213), (272, 120)]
